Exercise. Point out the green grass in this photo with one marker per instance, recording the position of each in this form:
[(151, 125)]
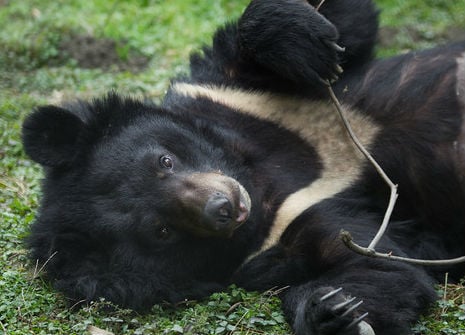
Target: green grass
[(33, 72), (420, 24)]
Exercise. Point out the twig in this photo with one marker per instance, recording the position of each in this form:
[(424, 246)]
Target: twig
[(370, 250), (276, 290), (392, 186), (238, 322), (348, 241), (37, 272), (77, 303), (233, 307), (444, 296)]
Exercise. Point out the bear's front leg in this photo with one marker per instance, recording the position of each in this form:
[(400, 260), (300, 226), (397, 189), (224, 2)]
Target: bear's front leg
[(329, 311), (362, 298), (291, 39), (288, 46)]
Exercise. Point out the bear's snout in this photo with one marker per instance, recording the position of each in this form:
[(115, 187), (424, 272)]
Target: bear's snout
[(216, 205)]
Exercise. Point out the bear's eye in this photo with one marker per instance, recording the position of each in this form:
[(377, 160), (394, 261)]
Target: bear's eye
[(166, 162)]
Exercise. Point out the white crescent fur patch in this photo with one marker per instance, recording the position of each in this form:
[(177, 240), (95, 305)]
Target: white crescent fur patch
[(316, 122)]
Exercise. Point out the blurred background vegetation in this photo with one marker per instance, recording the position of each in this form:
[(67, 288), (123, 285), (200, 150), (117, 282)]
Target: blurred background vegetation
[(52, 50)]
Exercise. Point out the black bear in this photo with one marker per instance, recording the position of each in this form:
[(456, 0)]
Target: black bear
[(244, 174)]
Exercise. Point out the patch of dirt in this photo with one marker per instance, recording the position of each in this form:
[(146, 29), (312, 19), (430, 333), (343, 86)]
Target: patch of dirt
[(104, 53)]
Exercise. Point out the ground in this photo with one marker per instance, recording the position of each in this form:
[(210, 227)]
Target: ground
[(140, 44)]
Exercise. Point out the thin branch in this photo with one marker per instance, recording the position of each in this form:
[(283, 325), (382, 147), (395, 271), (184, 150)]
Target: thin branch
[(348, 241), (344, 235), (370, 250), (77, 303), (392, 186), (238, 322), (444, 296), (37, 272)]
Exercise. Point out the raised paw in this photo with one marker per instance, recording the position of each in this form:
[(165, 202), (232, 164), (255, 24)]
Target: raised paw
[(292, 39), (330, 311)]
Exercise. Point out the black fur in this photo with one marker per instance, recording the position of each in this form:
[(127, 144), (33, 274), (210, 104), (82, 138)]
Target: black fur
[(127, 184)]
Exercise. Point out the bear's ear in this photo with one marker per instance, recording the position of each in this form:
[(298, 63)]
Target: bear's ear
[(51, 136)]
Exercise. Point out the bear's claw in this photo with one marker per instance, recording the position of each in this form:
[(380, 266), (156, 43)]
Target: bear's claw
[(356, 321), (330, 294), (336, 47), (352, 308), (347, 308), (337, 307)]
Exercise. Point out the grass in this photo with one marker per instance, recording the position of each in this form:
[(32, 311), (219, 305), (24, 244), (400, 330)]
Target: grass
[(33, 71), (415, 24)]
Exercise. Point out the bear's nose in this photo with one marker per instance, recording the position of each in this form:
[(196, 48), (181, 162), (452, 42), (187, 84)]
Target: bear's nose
[(219, 210), (222, 216)]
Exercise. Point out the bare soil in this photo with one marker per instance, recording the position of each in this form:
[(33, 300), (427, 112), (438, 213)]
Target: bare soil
[(90, 53)]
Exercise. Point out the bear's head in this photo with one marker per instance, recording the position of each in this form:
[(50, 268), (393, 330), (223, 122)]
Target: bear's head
[(122, 175), (133, 155)]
